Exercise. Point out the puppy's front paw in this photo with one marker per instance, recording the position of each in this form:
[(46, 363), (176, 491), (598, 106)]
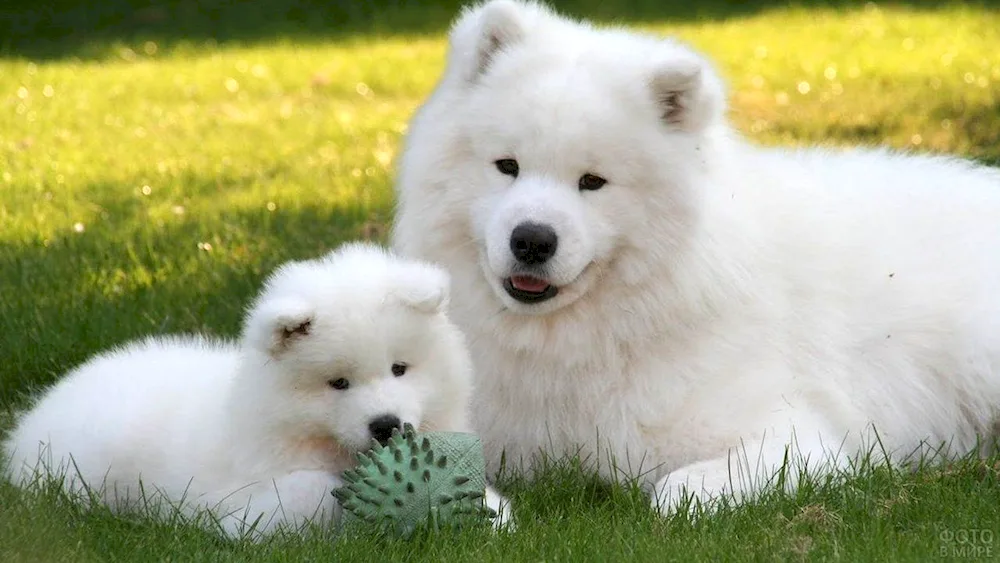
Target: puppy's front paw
[(504, 520)]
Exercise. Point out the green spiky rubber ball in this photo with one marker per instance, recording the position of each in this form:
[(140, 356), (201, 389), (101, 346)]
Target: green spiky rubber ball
[(434, 479)]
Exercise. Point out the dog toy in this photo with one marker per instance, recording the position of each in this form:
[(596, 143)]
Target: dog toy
[(432, 478)]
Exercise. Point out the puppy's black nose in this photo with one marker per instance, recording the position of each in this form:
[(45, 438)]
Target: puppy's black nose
[(381, 427), (533, 243)]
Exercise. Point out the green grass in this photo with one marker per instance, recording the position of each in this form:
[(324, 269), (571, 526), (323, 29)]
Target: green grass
[(877, 515), (150, 177)]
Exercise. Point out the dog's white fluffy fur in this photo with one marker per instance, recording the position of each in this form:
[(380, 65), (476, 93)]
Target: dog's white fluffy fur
[(256, 431), (719, 305)]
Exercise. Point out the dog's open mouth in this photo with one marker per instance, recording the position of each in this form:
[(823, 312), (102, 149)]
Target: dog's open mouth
[(529, 289)]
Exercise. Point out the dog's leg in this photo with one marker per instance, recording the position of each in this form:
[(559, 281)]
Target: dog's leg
[(505, 516), (293, 500), (750, 467)]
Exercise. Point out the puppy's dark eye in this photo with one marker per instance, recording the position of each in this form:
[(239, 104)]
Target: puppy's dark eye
[(591, 182), (339, 384), (508, 166), (398, 369)]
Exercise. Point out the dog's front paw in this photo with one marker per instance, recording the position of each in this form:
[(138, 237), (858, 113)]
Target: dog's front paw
[(695, 487)]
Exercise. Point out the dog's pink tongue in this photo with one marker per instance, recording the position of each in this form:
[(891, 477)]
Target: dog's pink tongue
[(529, 283)]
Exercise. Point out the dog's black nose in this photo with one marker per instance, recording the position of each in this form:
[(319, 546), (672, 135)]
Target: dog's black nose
[(381, 427), (533, 243)]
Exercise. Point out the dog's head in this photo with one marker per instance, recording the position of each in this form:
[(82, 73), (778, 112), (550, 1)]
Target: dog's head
[(356, 344), (568, 147)]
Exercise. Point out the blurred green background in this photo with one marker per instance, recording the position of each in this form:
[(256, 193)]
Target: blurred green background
[(158, 158)]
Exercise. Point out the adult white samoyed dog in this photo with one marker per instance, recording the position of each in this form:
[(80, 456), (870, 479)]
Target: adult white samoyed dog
[(335, 352), (645, 289)]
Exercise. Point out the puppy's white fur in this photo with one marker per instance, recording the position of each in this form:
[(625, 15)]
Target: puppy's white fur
[(717, 302), (253, 430)]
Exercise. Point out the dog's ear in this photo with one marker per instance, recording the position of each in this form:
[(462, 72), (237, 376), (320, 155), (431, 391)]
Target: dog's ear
[(274, 325), (688, 93), (483, 31), (423, 287)]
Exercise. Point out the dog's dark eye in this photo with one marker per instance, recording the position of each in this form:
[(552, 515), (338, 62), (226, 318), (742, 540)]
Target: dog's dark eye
[(398, 369), (339, 384), (591, 182), (508, 166)]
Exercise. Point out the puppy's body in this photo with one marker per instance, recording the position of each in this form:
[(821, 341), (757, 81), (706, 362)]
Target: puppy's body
[(710, 301), (335, 352)]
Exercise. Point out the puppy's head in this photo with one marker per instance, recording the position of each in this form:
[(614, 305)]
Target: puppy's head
[(355, 344)]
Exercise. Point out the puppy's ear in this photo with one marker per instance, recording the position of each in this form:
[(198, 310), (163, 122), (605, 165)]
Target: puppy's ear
[(483, 31), (423, 287), (689, 95), (274, 325)]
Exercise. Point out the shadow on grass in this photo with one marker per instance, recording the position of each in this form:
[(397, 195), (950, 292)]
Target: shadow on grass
[(978, 121), (77, 28), (972, 127), (126, 279)]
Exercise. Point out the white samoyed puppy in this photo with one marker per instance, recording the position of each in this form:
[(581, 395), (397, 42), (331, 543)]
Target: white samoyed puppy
[(334, 352), (643, 288)]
